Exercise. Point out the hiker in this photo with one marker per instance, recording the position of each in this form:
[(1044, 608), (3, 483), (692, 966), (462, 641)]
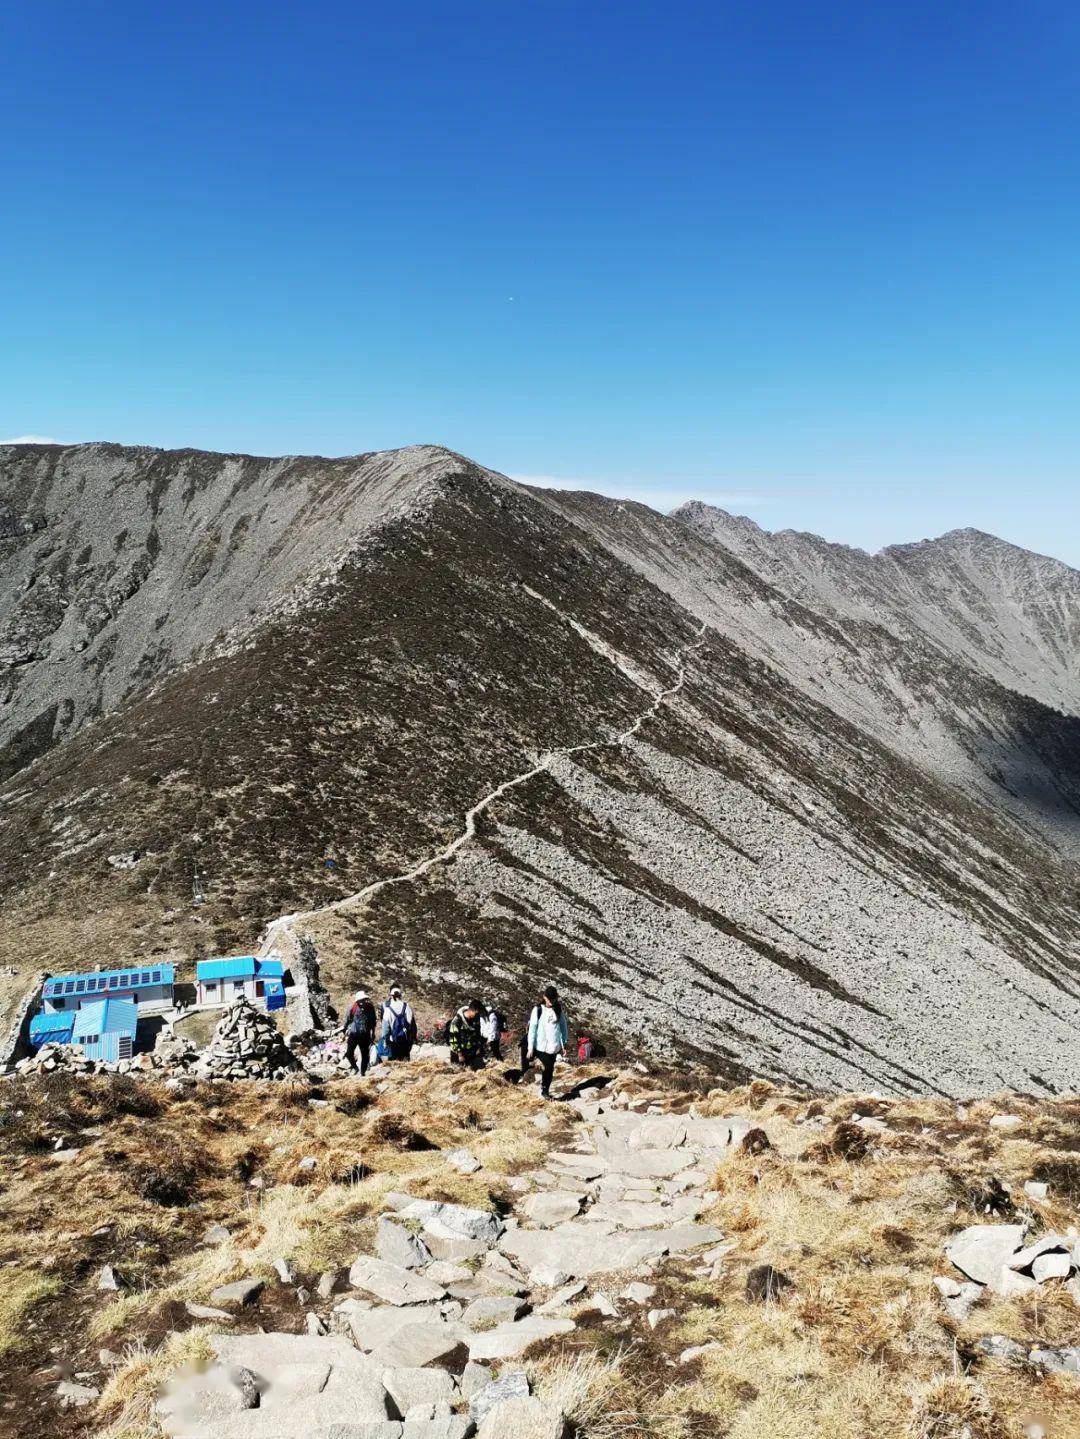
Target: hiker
[(546, 1037), (467, 1035), (493, 1027), (398, 1025), (359, 1029)]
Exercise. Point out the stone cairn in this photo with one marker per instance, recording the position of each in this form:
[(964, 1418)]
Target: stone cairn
[(246, 1045)]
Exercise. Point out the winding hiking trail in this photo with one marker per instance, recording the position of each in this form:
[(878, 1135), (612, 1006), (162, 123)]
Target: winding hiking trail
[(278, 927)]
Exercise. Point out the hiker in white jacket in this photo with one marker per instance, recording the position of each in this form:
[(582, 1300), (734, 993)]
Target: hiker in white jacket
[(398, 1025), (547, 1036)]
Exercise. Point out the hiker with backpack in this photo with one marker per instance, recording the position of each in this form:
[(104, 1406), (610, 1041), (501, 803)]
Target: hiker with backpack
[(359, 1030), (467, 1035), (493, 1027), (546, 1037), (398, 1025)]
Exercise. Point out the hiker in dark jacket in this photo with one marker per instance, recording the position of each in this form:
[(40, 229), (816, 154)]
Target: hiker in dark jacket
[(359, 1031), (546, 1037), (467, 1035), (398, 1025)]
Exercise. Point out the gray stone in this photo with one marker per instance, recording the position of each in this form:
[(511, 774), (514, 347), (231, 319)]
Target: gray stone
[(322, 1379), (397, 1245), (658, 1316), (546, 1276), (493, 1309), (958, 1298), (216, 1234), (453, 1249), (284, 1273), (696, 1351), (206, 1311), (1036, 1190), (513, 1384), (240, 1293), (315, 1325), (981, 1250), (410, 1387), (107, 1278), (463, 1160), (562, 1297), (451, 1426), (422, 1343), (371, 1326), (997, 1346), (523, 1419), (507, 1341), (473, 1378), (391, 1283), (327, 1283), (577, 1252), (1024, 1258), (1006, 1122), (1051, 1266), (547, 1209), (1056, 1359), (76, 1396), (638, 1293), (454, 1220)]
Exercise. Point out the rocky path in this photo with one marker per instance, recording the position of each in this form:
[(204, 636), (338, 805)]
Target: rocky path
[(427, 1343), (281, 926)]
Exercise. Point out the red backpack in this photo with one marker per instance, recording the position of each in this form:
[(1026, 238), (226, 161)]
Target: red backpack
[(584, 1047)]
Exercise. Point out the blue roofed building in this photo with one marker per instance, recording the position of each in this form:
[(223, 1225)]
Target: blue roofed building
[(223, 981), (103, 1029), (51, 1029), (106, 1030), (150, 986)]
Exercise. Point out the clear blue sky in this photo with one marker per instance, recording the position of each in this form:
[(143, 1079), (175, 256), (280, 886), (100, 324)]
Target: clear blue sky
[(819, 260)]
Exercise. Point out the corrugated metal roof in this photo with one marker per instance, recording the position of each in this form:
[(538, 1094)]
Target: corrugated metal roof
[(243, 967), (107, 1016), (269, 968), (51, 1028), (101, 981)]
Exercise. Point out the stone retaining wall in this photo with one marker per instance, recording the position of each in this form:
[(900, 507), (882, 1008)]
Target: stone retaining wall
[(16, 1042)]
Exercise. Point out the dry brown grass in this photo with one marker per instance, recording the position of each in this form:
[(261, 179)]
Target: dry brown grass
[(859, 1347)]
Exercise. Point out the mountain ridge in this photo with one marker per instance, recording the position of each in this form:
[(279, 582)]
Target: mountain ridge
[(828, 856)]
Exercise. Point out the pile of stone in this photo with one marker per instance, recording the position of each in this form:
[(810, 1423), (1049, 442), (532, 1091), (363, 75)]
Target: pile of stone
[(995, 1259), (64, 1059), (172, 1051), (173, 1055), (247, 1044)]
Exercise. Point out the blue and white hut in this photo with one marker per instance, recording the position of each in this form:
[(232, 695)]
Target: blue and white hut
[(149, 986), (223, 981), (106, 1030)]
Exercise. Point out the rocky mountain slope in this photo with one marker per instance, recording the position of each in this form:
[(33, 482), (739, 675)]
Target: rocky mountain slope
[(1008, 613), (582, 742)]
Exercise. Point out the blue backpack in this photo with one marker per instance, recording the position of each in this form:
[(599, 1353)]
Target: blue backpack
[(399, 1027)]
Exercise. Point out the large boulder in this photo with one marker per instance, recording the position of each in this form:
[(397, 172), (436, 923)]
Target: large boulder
[(275, 1386), (549, 1208), (576, 1251), (982, 1250), (396, 1244), (453, 1221), (523, 1419), (391, 1283)]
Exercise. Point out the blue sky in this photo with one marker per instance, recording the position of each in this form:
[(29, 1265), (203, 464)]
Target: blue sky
[(816, 261)]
